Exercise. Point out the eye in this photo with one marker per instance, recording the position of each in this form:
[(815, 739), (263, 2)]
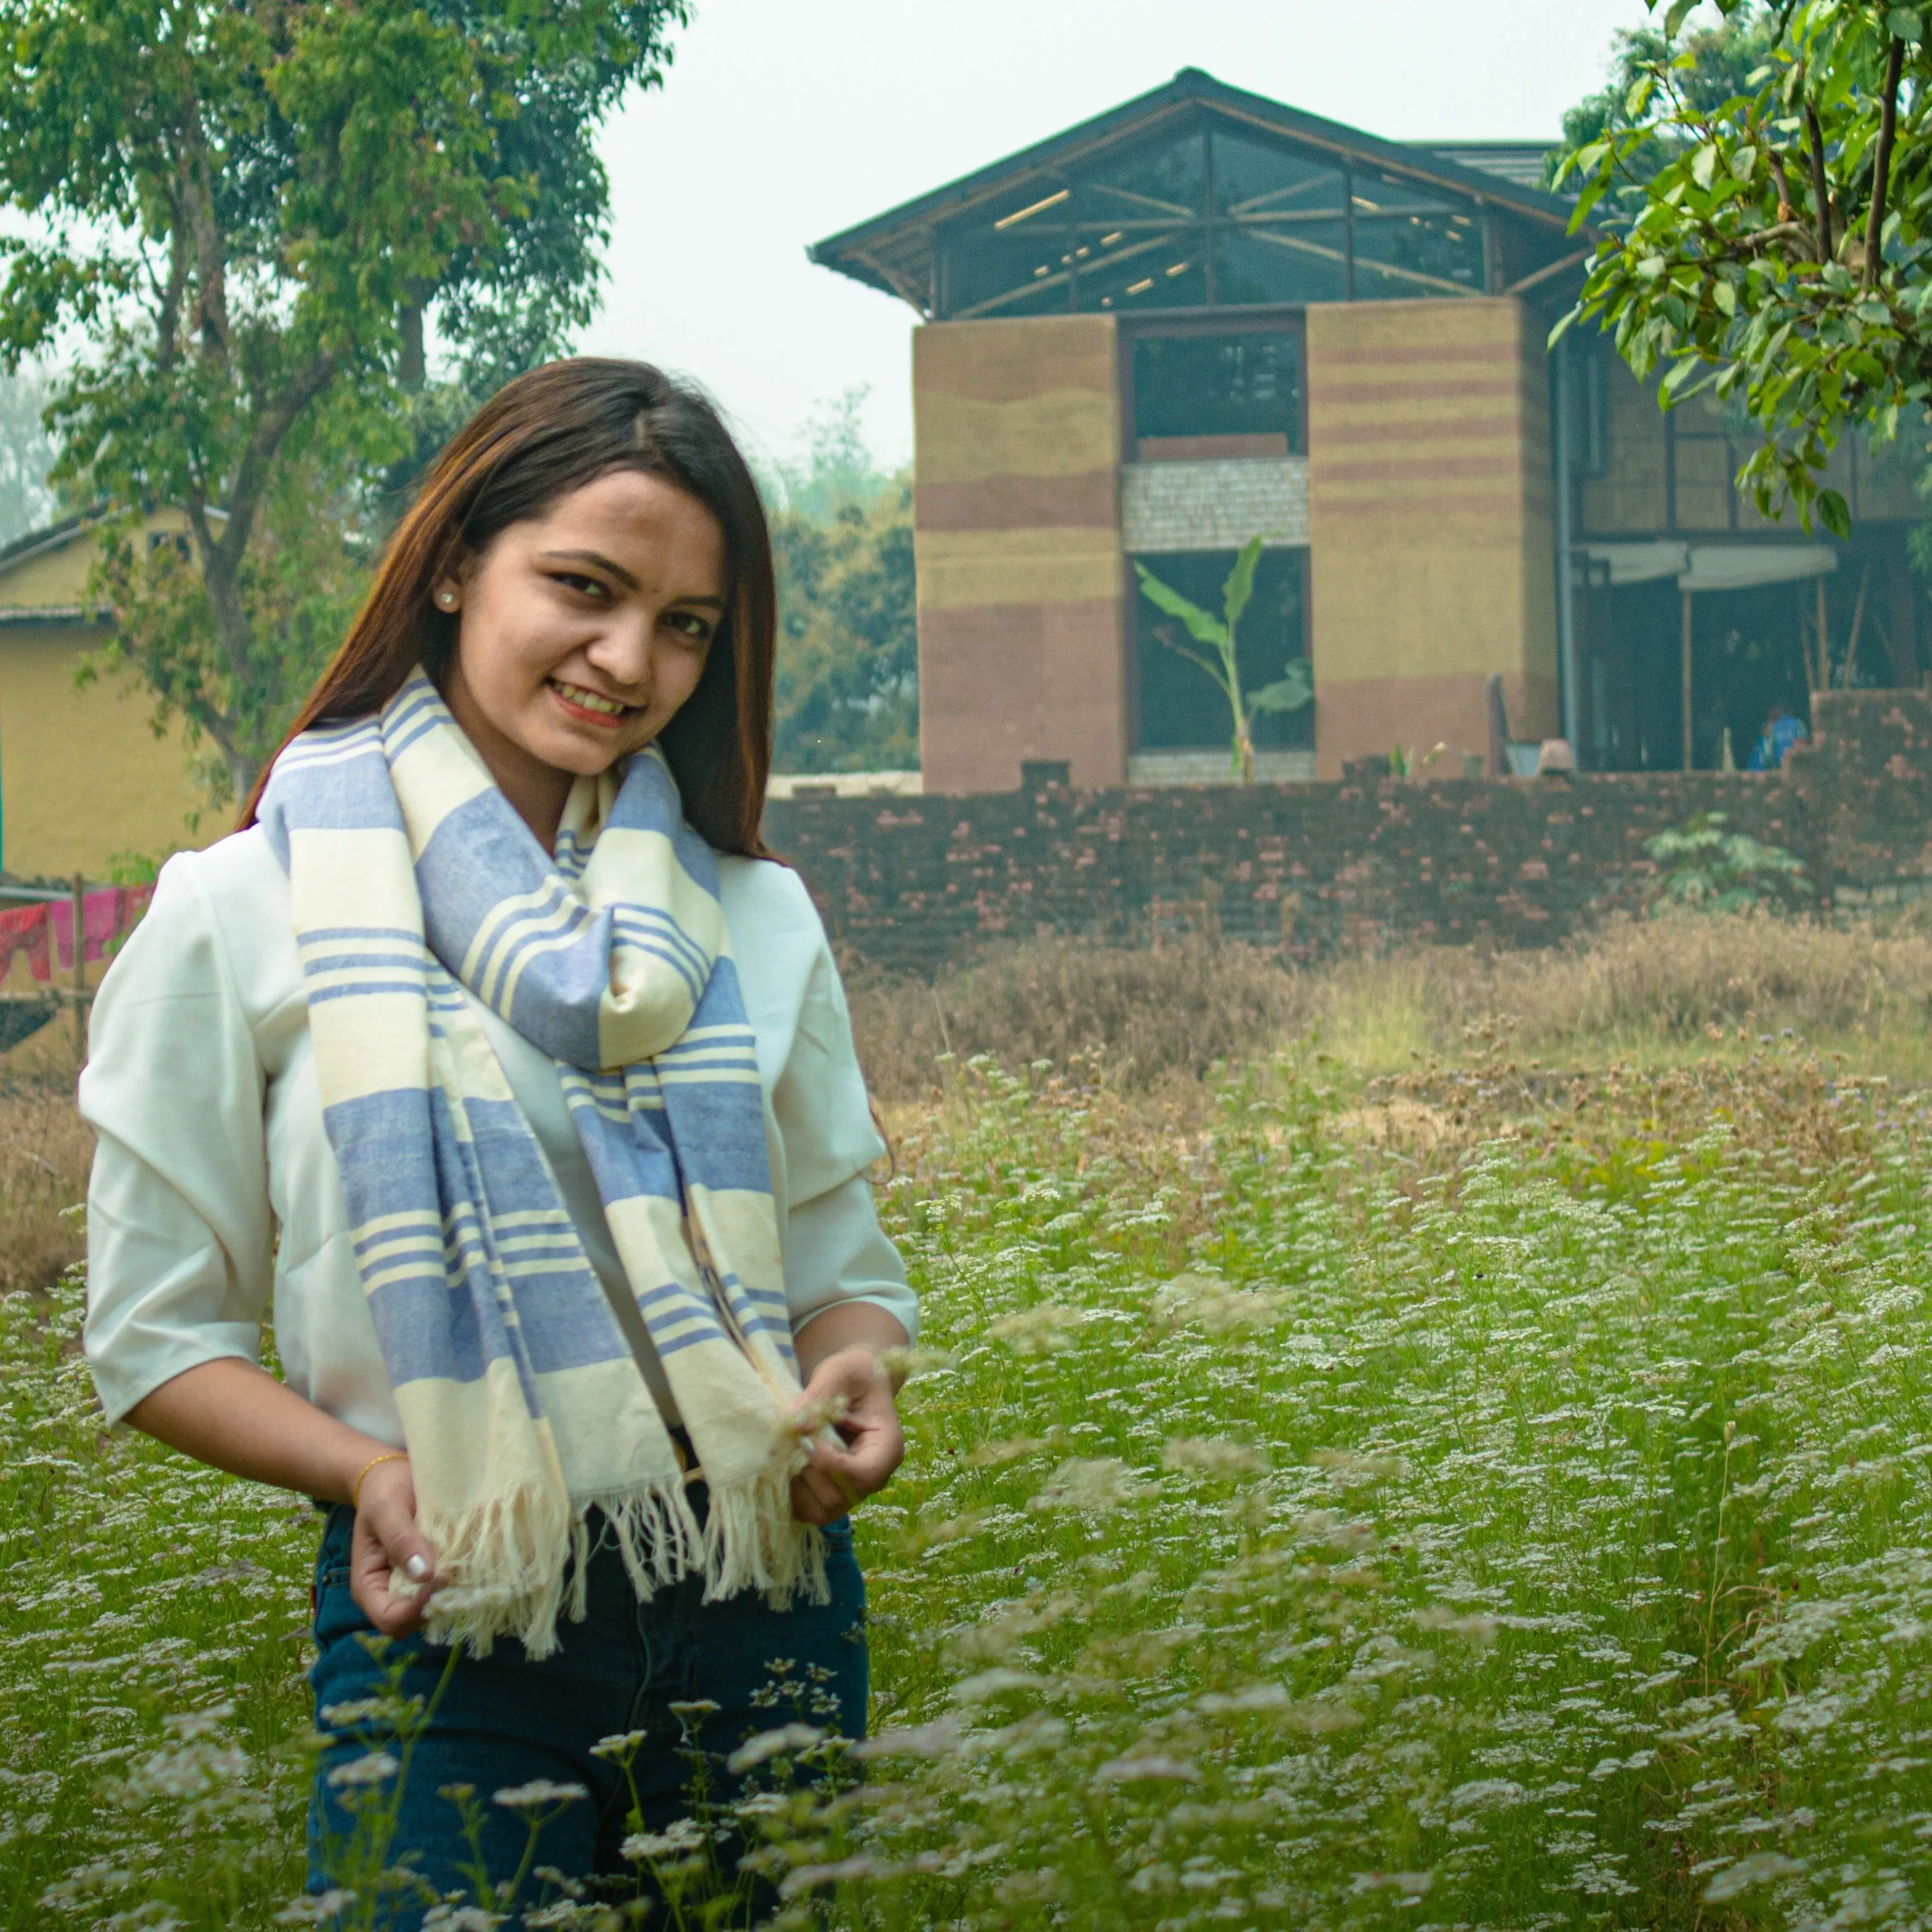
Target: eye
[(584, 586), (690, 624)]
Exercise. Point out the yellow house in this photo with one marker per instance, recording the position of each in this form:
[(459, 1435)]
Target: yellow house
[(84, 780)]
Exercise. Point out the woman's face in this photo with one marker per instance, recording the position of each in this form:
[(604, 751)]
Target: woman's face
[(582, 631)]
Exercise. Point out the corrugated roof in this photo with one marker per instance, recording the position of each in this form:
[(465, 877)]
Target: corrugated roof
[(1521, 162), (893, 251)]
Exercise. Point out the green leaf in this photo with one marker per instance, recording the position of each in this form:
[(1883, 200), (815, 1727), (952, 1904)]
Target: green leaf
[(1835, 514), (1207, 630), (1704, 164), (1240, 584), (1290, 693), (1905, 24)]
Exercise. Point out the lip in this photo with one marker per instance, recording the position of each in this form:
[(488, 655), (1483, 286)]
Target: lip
[(583, 715)]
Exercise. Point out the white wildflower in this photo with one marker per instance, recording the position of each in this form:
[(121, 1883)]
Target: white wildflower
[(1213, 1455), (1096, 1483), (315, 1909), (372, 1768), (539, 1791), (1044, 1329), (681, 1834), (789, 1739), (1760, 1868), (1147, 1768), (619, 1744), (807, 1877), (1486, 1794)]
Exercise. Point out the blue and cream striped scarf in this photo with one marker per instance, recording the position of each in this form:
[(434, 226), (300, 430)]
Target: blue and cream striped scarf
[(413, 879)]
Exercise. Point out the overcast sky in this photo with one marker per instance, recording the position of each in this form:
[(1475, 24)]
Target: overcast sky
[(783, 121)]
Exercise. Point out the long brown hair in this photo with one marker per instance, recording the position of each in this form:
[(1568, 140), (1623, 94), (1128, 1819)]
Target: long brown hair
[(542, 436)]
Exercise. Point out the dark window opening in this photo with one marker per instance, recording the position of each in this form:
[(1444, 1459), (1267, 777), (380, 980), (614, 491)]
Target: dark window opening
[(1199, 396), (1181, 708)]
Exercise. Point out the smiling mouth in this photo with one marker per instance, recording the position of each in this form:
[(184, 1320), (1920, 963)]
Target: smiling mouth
[(589, 703)]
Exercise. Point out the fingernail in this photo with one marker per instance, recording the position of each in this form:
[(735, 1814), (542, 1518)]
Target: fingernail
[(415, 1569)]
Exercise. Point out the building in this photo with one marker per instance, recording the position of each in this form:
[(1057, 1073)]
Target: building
[(1204, 316), (85, 781)]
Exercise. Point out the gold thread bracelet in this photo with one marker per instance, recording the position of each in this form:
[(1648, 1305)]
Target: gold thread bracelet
[(387, 1456)]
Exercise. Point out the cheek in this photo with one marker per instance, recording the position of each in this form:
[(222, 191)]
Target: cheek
[(687, 673), (503, 663)]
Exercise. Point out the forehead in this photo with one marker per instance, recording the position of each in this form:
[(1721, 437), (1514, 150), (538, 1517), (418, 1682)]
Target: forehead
[(635, 518)]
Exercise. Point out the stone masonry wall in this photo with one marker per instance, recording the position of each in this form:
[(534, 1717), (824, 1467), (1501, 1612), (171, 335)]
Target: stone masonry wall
[(1361, 864)]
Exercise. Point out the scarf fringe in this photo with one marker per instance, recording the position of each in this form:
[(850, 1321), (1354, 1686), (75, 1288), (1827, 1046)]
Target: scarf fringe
[(522, 1562), (752, 1541)]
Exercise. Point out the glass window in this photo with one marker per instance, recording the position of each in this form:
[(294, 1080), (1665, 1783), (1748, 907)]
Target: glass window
[(1410, 241), (1306, 263), (1256, 181), (1167, 180), (1181, 707), (1244, 387), (1024, 264)]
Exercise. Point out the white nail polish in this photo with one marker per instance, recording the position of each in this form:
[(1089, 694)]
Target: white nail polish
[(415, 1569)]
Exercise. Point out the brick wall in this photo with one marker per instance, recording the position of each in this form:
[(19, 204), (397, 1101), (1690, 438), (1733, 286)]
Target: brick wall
[(1361, 863)]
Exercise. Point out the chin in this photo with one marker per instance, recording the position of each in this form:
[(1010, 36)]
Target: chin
[(587, 758)]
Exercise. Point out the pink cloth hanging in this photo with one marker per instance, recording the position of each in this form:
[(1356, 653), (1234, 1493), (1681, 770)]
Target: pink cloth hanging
[(24, 929), (107, 913)]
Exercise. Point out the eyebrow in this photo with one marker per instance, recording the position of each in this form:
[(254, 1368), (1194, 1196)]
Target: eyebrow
[(623, 576)]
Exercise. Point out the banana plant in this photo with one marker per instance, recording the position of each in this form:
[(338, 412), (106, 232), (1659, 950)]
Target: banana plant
[(1289, 692)]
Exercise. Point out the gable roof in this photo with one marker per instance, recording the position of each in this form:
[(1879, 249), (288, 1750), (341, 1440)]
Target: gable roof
[(893, 251)]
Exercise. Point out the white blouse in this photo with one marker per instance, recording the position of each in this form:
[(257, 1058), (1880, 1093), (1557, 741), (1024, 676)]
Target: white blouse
[(215, 1183)]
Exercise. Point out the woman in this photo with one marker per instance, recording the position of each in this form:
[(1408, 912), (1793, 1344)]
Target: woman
[(493, 1047)]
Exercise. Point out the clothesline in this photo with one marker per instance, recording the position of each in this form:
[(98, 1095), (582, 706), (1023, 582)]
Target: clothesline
[(45, 932)]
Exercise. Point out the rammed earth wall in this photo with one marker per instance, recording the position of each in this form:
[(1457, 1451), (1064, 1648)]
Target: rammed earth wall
[(1359, 864)]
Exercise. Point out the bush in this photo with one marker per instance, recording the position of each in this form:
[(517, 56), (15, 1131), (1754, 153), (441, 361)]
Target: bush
[(1148, 1016), (1144, 1013)]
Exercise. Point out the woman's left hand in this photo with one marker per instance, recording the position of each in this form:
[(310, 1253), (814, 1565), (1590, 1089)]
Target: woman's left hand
[(856, 1393)]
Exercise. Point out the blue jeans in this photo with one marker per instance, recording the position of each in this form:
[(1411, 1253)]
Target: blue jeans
[(502, 1721)]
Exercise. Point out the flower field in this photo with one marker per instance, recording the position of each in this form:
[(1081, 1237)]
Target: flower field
[(1483, 1496)]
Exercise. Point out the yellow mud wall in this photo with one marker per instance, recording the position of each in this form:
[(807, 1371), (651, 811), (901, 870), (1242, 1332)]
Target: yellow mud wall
[(1430, 525), (82, 776), (1017, 539)]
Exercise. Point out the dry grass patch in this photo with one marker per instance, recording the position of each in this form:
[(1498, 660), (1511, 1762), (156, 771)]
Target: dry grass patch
[(1664, 990), (1137, 1015)]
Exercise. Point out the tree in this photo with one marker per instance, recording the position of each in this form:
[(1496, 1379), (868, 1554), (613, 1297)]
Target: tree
[(1289, 692), (1723, 59), (848, 696), (26, 455), (1779, 246), (245, 209)]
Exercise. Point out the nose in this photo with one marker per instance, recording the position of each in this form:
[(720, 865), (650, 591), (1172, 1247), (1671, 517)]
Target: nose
[(622, 653)]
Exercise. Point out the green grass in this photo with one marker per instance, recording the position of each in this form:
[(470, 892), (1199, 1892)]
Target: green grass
[(1517, 1517)]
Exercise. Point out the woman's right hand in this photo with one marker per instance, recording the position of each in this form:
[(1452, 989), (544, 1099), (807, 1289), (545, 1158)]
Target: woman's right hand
[(387, 1539)]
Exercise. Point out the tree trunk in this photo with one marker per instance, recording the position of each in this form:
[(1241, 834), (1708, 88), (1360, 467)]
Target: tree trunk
[(412, 370)]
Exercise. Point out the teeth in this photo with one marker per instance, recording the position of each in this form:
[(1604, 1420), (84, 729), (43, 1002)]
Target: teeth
[(589, 699)]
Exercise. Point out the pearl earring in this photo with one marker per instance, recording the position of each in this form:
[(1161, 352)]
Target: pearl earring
[(446, 597)]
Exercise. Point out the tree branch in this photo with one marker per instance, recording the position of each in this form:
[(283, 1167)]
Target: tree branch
[(1786, 207), (251, 474), (1814, 136), (1887, 131)]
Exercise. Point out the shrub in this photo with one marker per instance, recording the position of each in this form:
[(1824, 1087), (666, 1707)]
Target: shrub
[(1143, 1013)]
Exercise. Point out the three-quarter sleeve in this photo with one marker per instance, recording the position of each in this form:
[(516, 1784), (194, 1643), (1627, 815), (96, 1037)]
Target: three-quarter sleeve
[(834, 1249), (180, 1238)]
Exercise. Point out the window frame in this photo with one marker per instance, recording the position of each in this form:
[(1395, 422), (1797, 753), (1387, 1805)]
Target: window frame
[(1274, 320)]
